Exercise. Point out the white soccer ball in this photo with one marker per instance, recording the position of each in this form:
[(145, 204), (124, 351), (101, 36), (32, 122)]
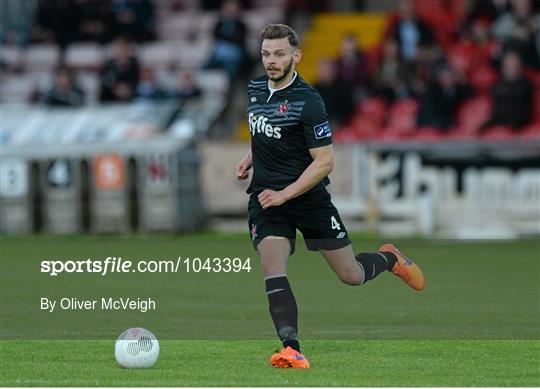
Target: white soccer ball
[(136, 348)]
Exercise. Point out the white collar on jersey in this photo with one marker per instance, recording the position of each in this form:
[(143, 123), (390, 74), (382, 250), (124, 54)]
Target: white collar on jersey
[(272, 90)]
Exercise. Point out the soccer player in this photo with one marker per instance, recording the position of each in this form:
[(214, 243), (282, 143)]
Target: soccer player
[(292, 155)]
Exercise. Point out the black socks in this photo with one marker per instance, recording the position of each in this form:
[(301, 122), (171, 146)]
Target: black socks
[(374, 263), (283, 310), (282, 304)]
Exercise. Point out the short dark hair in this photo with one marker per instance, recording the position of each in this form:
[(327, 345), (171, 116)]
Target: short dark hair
[(279, 31)]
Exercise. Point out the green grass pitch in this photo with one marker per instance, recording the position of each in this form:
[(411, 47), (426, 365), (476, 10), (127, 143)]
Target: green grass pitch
[(476, 324)]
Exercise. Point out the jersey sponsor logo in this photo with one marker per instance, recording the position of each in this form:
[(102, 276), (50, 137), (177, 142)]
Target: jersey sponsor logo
[(259, 125), (322, 131), (253, 99)]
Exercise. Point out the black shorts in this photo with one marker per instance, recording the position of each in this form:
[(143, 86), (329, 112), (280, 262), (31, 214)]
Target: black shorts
[(313, 214)]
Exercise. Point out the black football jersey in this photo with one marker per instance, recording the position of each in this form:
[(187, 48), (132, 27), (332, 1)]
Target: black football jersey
[(284, 124)]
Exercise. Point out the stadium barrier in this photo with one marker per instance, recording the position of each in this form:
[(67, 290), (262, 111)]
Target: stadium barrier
[(171, 198), (470, 189), (114, 170), (151, 186), (110, 193), (90, 177), (16, 200), (62, 182)]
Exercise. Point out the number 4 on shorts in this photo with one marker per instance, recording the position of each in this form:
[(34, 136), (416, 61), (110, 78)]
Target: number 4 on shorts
[(335, 224)]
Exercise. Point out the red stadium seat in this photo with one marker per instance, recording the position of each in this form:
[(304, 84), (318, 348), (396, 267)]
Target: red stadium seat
[(498, 133), (372, 108), (531, 131), (365, 128), (343, 135), (472, 114), (482, 78), (389, 135), (459, 133), (351, 135), (428, 134), (402, 117)]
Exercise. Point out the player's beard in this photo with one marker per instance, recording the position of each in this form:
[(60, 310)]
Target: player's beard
[(285, 73)]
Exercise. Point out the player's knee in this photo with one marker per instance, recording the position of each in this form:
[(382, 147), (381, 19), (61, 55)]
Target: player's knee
[(351, 279)]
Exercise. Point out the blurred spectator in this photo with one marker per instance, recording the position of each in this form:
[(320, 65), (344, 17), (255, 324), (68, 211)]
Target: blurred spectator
[(148, 87), (186, 87), (488, 10), (442, 98), (336, 95), (60, 17), (229, 51), (65, 92), (410, 31), (518, 30), (421, 71), (120, 75), (215, 5), (295, 9), (351, 66), (134, 19), (483, 49), (16, 20), (390, 79), (474, 52), (512, 95), (95, 20)]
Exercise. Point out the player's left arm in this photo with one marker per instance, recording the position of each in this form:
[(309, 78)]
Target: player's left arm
[(322, 165)]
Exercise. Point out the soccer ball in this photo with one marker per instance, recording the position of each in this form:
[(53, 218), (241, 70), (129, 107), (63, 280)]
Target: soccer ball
[(136, 348)]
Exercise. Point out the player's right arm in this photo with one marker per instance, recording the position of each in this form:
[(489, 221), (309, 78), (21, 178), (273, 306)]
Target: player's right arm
[(242, 167)]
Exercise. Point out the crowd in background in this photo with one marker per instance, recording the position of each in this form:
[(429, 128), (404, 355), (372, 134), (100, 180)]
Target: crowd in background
[(68, 21), (491, 48), (122, 79)]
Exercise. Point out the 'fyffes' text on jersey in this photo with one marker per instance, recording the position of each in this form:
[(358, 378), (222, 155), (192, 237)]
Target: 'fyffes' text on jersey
[(258, 124)]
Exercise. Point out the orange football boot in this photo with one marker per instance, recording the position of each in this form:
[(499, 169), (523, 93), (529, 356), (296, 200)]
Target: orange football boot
[(289, 358), (406, 269)]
